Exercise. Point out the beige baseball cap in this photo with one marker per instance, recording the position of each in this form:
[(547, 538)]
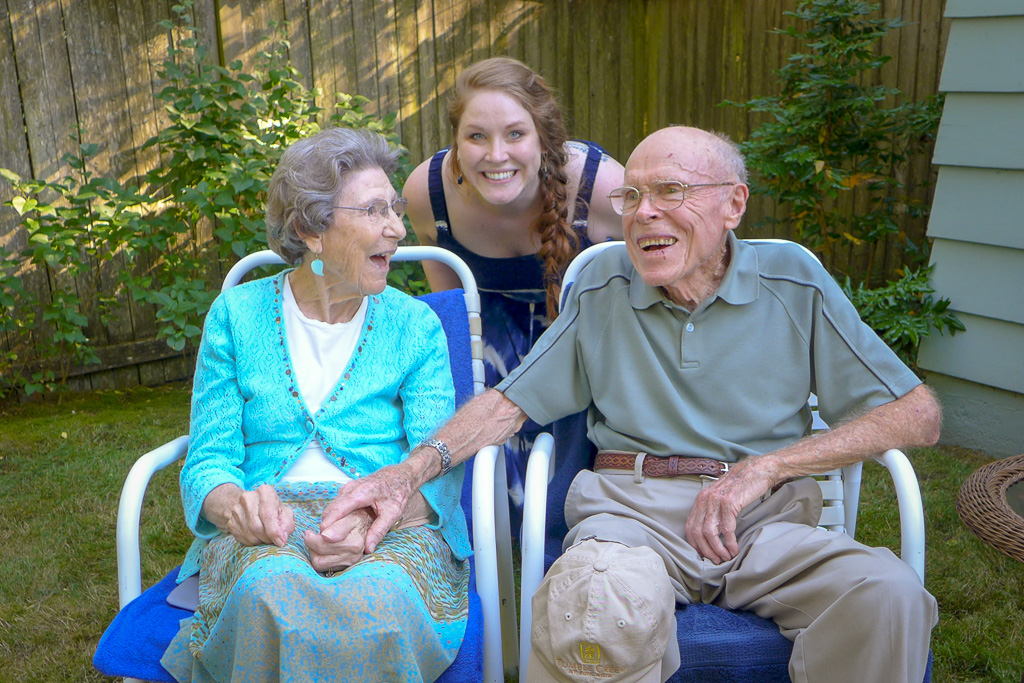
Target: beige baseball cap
[(605, 612)]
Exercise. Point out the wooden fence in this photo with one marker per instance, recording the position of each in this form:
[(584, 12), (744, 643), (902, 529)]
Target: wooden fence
[(623, 68)]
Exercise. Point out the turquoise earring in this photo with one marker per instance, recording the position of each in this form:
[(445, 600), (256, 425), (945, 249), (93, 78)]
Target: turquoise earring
[(317, 266)]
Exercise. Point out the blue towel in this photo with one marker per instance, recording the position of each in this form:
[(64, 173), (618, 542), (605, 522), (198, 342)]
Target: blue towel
[(450, 307), (735, 647), (132, 645)]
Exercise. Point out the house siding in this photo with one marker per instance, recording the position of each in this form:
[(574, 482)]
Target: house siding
[(985, 204), (977, 224)]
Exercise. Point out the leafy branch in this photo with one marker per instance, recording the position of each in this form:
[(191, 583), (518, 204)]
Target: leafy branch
[(830, 134)]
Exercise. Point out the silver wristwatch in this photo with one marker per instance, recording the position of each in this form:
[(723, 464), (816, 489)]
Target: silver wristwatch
[(442, 448)]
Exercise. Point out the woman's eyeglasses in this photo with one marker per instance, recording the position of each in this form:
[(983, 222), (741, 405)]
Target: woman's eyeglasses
[(378, 208)]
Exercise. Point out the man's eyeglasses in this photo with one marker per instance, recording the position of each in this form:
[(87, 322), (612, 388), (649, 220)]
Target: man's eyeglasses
[(378, 208), (666, 195)]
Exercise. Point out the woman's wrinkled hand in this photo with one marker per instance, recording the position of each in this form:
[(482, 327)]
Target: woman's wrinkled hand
[(326, 554), (252, 517), (385, 492)]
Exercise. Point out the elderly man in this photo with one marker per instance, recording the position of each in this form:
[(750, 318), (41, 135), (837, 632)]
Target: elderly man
[(705, 348)]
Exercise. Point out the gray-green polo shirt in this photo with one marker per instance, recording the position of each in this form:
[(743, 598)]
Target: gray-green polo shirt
[(729, 380)]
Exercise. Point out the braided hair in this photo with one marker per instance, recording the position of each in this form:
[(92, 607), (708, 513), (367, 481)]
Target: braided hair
[(558, 241)]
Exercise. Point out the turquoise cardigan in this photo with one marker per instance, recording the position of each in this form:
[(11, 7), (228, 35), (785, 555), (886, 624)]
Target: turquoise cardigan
[(249, 422)]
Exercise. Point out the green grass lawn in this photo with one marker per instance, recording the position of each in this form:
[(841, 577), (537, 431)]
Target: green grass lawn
[(62, 466)]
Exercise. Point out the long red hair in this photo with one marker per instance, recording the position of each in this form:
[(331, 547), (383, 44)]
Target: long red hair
[(558, 241)]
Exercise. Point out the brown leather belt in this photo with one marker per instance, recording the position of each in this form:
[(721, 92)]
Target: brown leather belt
[(661, 466)]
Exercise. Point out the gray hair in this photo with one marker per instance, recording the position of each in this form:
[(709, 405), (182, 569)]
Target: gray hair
[(308, 180), (730, 156)]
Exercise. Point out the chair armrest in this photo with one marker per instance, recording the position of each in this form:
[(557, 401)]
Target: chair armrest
[(908, 496), (129, 512), (538, 468), (495, 583)]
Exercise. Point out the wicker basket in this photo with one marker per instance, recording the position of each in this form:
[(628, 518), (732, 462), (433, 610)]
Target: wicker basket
[(982, 506)]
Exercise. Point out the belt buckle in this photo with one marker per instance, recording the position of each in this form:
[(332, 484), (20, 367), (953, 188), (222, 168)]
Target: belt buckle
[(725, 470)]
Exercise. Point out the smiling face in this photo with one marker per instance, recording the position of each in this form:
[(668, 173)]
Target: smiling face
[(682, 250), (357, 250), (499, 149)]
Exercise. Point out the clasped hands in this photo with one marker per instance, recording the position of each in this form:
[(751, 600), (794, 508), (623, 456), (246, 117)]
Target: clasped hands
[(259, 517)]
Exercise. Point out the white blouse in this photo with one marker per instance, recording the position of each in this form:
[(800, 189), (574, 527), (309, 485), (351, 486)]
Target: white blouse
[(319, 353)]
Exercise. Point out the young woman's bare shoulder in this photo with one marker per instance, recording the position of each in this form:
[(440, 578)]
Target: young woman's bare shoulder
[(420, 213), (604, 223)]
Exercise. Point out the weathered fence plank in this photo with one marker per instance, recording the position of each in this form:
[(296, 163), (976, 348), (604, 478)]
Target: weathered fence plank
[(300, 51), (386, 64), (431, 132), (407, 63), (13, 146), (446, 53), (96, 71), (49, 110)]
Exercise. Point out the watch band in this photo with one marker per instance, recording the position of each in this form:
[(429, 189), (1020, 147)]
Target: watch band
[(442, 448)]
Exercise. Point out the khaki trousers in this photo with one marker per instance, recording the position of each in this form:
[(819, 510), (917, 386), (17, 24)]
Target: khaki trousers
[(854, 613)]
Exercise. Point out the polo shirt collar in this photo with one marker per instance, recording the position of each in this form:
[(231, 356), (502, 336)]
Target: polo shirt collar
[(741, 282), (739, 286), (642, 296)]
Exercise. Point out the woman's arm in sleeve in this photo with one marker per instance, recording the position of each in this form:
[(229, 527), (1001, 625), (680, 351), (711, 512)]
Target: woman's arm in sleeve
[(428, 402), (216, 447)]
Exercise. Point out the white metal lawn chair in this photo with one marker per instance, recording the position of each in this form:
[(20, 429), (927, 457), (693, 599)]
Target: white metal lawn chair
[(151, 623), (840, 490)]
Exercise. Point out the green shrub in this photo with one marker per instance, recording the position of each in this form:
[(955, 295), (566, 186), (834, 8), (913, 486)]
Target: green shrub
[(903, 312), (830, 134), (226, 129), (70, 238)]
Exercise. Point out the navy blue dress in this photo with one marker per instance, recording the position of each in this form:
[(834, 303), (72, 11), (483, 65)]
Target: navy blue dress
[(512, 302)]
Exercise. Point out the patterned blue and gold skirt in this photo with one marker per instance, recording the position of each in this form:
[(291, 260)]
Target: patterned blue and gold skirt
[(265, 614)]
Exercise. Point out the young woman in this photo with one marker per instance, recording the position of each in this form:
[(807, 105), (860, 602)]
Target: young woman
[(517, 201)]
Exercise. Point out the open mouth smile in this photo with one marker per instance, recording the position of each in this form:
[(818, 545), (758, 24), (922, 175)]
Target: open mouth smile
[(650, 244), (499, 175)]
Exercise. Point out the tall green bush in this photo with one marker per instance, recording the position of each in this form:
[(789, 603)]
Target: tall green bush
[(831, 134), (72, 225), (226, 129)]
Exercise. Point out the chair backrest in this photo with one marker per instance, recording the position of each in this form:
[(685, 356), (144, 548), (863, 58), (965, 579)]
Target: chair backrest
[(470, 295), (840, 488)]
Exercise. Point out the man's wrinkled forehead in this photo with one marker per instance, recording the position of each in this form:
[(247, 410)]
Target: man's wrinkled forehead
[(672, 155)]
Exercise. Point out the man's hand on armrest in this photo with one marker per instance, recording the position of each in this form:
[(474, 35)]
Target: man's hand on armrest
[(909, 421)]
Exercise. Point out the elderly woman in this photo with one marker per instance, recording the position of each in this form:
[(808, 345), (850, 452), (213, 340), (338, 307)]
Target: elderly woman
[(305, 381)]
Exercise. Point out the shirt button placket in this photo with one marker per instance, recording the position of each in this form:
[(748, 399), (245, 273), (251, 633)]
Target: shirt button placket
[(687, 362)]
